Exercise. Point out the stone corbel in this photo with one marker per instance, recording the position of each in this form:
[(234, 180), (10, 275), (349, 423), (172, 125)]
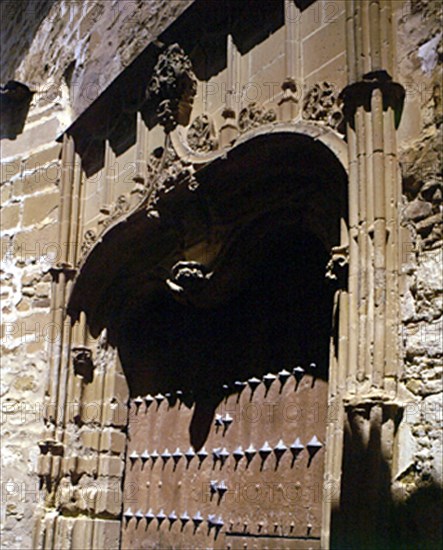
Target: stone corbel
[(360, 94), (64, 268), (337, 267), (15, 100), (83, 363), (366, 401), (49, 461), (288, 104), (229, 130)]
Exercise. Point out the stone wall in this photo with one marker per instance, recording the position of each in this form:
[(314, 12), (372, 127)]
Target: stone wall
[(30, 177), (68, 52), (419, 54), (85, 43)]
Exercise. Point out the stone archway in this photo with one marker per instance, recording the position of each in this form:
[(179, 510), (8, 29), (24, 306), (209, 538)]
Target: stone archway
[(239, 246)]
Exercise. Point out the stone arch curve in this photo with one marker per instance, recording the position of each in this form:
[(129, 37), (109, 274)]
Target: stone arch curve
[(222, 250), (200, 217)]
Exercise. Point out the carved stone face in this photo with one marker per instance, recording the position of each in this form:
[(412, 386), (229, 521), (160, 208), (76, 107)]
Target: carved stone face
[(188, 277)]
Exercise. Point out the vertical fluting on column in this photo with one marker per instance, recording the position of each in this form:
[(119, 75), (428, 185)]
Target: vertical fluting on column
[(369, 105), (372, 105), (106, 192), (353, 57), (393, 251), (59, 278), (379, 239), (229, 129), (289, 103), (51, 445), (141, 162)]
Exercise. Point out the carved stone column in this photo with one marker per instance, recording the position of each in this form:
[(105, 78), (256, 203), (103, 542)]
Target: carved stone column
[(289, 102), (229, 129), (372, 107)]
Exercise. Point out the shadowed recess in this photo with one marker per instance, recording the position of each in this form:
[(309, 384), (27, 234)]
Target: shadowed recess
[(280, 318)]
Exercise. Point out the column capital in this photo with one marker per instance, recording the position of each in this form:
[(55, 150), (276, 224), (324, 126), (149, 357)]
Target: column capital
[(359, 94)]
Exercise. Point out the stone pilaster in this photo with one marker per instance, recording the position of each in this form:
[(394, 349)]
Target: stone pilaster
[(372, 107)]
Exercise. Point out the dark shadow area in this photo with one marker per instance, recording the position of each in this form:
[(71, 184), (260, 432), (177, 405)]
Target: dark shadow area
[(369, 518), (303, 4), (201, 31), (281, 318), (19, 22), (15, 99)]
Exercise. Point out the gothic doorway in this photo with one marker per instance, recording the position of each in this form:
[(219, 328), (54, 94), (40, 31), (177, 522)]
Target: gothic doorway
[(224, 321)]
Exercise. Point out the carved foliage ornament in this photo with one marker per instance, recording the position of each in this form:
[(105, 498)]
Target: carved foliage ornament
[(321, 105), (252, 116), (89, 239), (172, 87), (201, 135), (121, 206)]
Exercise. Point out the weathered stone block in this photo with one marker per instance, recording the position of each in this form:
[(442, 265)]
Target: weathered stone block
[(87, 465), (9, 216), (111, 466), (10, 169), (106, 535), (82, 533), (90, 439), (115, 414), (114, 441), (36, 244), (117, 388), (31, 138), (40, 208), (49, 155), (5, 192), (37, 181)]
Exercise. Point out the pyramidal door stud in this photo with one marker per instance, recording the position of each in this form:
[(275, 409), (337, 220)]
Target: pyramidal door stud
[(280, 449), (314, 446), (159, 398), (298, 373), (133, 457), (250, 452), (268, 379), (184, 518), (253, 383), (176, 455), (265, 450), (161, 516), (283, 375), (148, 400)]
